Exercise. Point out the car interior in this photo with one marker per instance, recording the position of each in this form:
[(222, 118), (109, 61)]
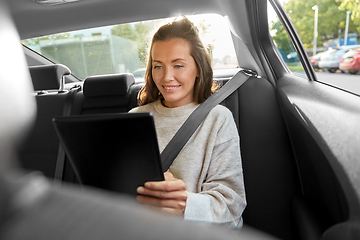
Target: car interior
[(299, 142)]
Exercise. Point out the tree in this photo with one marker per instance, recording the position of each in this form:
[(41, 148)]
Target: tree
[(354, 7), (139, 33), (281, 38), (331, 18), (204, 31)]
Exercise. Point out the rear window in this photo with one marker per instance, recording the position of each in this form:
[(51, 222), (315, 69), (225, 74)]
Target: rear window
[(123, 48), (351, 53)]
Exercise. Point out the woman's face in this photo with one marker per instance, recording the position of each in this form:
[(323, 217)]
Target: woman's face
[(174, 71)]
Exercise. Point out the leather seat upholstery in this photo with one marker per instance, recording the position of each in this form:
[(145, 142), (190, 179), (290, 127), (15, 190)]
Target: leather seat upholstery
[(107, 93), (46, 77), (269, 168), (40, 149)]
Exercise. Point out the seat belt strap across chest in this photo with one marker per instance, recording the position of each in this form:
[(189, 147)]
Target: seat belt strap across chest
[(192, 123)]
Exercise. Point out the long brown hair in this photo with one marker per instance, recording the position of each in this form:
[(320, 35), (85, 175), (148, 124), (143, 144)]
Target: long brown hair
[(183, 29)]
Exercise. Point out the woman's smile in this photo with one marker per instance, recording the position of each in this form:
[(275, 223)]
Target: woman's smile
[(171, 88)]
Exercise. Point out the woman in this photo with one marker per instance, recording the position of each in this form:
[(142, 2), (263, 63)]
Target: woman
[(205, 181)]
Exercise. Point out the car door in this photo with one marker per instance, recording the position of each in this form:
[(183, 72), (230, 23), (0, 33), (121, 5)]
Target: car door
[(323, 123)]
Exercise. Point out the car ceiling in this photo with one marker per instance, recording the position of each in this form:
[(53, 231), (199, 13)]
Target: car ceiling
[(33, 19)]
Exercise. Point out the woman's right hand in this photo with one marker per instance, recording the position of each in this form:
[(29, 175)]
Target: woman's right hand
[(168, 196)]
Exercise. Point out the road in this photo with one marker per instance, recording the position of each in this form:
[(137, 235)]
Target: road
[(342, 80)]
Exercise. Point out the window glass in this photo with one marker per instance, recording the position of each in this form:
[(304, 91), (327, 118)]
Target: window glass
[(124, 48), (283, 43), (329, 32)]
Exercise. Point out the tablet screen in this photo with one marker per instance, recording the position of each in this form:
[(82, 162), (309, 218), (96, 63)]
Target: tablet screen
[(116, 152)]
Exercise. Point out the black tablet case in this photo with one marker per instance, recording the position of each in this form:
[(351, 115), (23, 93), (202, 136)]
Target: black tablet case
[(116, 152)]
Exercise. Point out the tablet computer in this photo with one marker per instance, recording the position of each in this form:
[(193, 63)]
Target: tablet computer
[(116, 152)]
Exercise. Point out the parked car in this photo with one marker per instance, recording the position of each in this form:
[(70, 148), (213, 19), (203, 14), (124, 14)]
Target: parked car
[(292, 57), (315, 60), (139, 75), (299, 137), (351, 61), (331, 59)]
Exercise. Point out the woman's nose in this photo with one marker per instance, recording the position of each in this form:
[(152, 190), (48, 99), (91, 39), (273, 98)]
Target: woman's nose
[(169, 74)]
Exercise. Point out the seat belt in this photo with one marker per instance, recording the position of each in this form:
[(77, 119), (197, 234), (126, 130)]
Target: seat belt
[(61, 156), (192, 123)]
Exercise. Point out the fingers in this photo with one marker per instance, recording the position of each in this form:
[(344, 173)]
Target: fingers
[(164, 203), (177, 194), (172, 185), (169, 195), (168, 176)]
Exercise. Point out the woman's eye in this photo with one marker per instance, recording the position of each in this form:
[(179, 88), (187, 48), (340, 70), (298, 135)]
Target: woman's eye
[(178, 66), (157, 67)]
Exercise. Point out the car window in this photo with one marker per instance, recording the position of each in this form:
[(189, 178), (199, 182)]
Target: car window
[(328, 30), (123, 48), (284, 44)]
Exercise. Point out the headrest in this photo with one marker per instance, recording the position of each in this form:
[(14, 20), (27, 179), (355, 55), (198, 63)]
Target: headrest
[(108, 85), (46, 77)]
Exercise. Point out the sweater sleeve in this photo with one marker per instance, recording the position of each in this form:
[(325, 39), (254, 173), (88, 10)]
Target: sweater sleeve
[(222, 198)]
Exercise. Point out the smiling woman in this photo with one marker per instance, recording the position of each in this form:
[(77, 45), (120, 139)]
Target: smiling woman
[(178, 78), (123, 48)]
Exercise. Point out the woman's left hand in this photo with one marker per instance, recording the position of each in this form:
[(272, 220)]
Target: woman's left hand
[(169, 195)]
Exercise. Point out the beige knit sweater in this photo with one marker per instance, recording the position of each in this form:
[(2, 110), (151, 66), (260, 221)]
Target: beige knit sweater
[(209, 164)]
